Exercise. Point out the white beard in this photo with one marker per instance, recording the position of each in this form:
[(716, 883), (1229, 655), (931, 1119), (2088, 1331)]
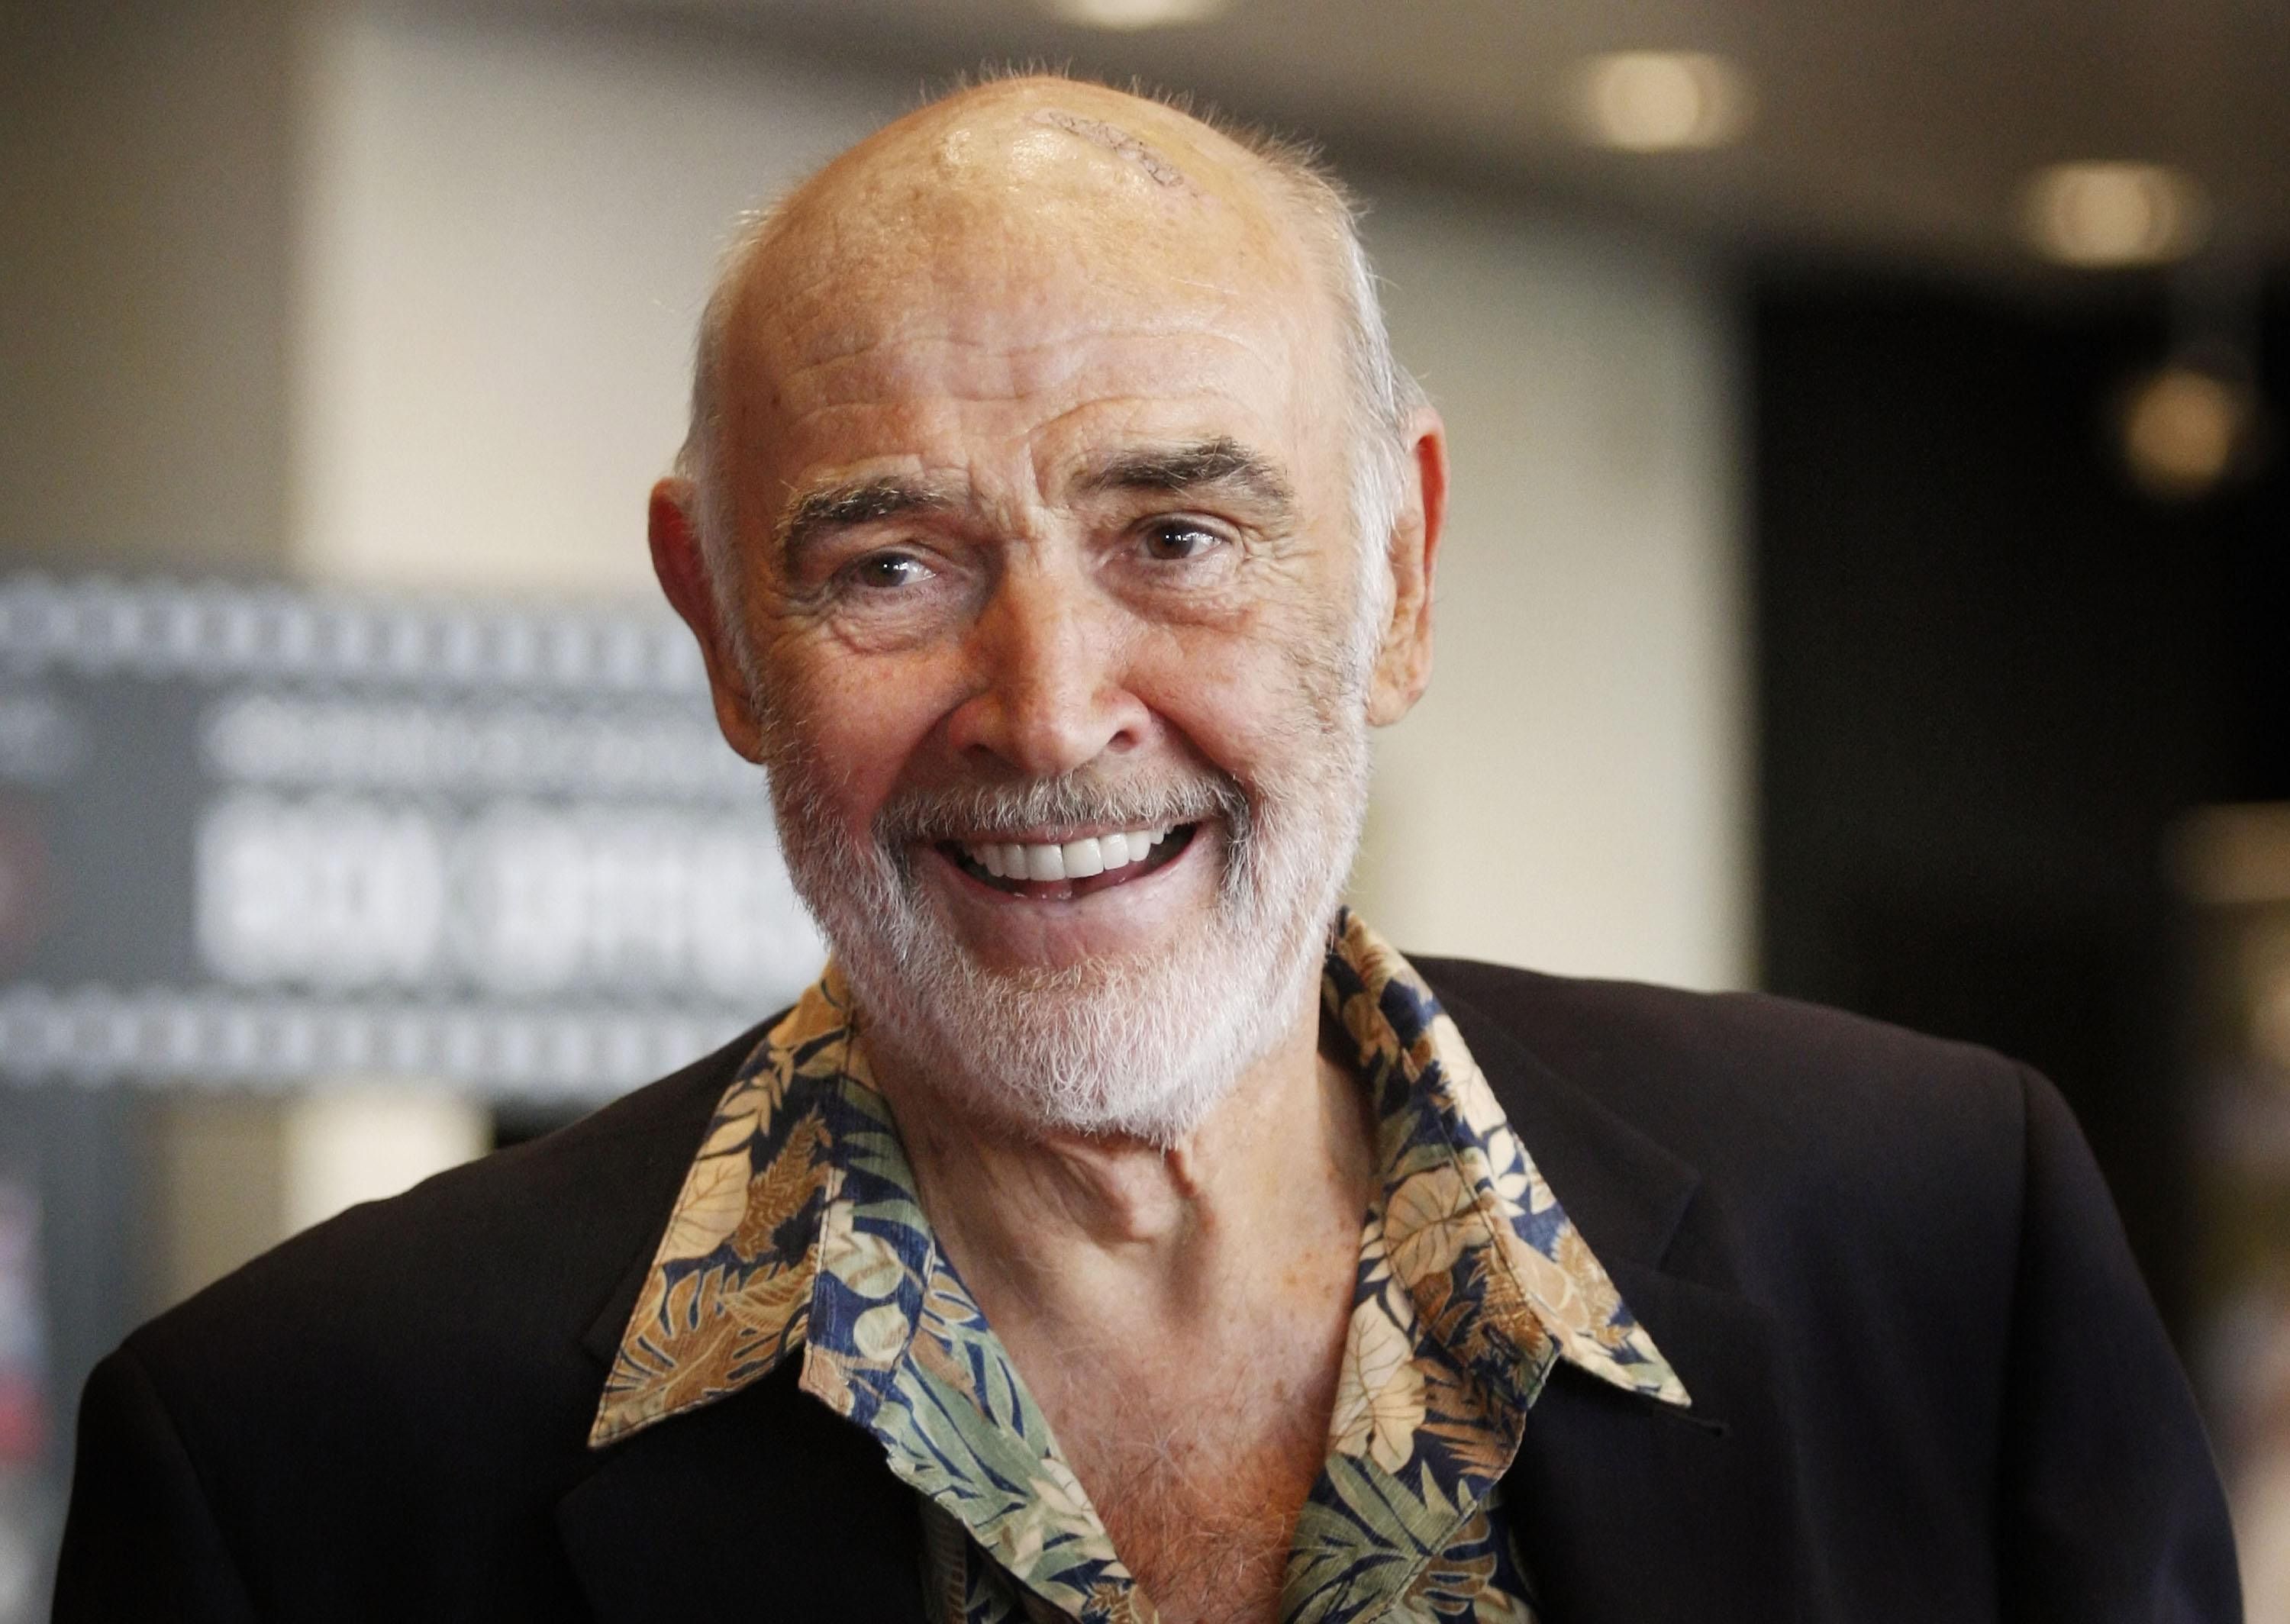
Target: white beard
[(1142, 1045)]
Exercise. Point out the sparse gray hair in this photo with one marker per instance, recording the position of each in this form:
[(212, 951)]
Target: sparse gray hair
[(1383, 396)]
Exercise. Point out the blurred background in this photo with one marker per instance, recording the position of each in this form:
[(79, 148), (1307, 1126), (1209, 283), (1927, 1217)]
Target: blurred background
[(1869, 581)]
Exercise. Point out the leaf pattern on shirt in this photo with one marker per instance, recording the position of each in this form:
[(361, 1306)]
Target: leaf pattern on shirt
[(798, 1229)]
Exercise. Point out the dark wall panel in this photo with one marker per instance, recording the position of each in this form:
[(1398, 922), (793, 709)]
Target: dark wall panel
[(1991, 673)]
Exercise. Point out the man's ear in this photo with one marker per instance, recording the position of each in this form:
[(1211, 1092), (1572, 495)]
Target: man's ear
[(1402, 666), (681, 566)]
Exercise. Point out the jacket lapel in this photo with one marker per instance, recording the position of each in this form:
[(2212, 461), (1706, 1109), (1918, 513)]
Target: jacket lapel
[(764, 1505), (1627, 1509)]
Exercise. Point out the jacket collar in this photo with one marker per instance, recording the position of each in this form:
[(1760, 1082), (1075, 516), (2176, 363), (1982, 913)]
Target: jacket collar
[(761, 1237)]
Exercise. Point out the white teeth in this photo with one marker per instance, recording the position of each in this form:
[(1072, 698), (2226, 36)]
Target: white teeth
[(1072, 859)]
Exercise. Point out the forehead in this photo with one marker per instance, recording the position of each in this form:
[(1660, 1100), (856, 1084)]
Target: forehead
[(1044, 242)]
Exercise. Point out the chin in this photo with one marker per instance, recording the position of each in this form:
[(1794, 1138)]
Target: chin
[(1145, 1048)]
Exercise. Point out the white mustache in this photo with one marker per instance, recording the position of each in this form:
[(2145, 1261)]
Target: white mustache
[(991, 811)]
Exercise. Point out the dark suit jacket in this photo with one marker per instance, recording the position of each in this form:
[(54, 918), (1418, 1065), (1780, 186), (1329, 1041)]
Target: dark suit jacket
[(1928, 1383)]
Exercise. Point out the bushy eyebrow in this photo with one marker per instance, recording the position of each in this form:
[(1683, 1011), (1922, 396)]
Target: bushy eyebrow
[(811, 516), (1201, 465)]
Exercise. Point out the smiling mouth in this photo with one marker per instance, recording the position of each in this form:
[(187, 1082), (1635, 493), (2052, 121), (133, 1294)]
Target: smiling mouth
[(1061, 871)]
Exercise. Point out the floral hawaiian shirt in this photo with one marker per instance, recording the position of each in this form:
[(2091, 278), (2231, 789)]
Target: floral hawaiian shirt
[(799, 1227)]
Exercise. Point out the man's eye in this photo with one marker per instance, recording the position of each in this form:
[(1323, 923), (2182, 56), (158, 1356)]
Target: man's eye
[(1177, 542), (885, 571)]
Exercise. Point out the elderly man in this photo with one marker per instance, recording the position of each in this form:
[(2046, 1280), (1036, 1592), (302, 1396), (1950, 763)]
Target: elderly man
[(1120, 1230)]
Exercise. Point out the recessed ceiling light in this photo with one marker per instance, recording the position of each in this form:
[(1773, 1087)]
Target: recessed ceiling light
[(1661, 100), (2184, 428), (2102, 215), (1126, 15)]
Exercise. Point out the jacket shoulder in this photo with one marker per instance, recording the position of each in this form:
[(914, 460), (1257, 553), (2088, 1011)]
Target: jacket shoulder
[(1795, 1117), (425, 1363), (1641, 1047), (484, 1277)]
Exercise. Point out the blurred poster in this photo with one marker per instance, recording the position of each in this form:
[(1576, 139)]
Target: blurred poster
[(2233, 868), (252, 835)]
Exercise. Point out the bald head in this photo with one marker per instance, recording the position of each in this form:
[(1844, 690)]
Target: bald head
[(969, 202), (1054, 159)]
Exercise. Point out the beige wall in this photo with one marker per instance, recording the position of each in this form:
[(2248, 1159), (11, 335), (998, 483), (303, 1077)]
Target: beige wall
[(510, 229), (1572, 793), (145, 197)]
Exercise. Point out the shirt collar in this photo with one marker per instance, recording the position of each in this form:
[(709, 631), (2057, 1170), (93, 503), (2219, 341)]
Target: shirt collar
[(733, 1286)]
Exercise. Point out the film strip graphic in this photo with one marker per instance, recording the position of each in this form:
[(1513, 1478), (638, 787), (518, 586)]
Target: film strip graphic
[(98, 1035), (220, 632)]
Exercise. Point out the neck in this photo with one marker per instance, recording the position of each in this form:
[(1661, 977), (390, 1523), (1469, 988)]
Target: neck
[(1071, 1231), (1180, 1314)]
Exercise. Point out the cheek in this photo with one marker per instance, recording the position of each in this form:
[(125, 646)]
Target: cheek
[(850, 726), (1249, 699)]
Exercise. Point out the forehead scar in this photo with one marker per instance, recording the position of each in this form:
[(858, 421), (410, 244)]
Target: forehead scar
[(1116, 141)]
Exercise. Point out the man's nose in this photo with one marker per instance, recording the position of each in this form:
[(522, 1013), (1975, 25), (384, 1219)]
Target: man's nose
[(1048, 656)]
